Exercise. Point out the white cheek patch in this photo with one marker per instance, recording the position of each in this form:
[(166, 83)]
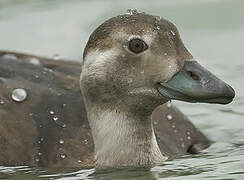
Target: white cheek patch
[(100, 57)]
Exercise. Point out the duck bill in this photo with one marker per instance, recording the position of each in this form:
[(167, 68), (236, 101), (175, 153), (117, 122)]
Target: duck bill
[(194, 83)]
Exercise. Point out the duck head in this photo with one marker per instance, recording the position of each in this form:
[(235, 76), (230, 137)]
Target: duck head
[(138, 61)]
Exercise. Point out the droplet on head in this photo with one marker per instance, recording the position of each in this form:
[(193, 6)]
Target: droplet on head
[(55, 118), (86, 141), (169, 104), (61, 141), (131, 11), (39, 154), (51, 112), (19, 95), (79, 161), (189, 137), (1, 102), (63, 156), (158, 18), (169, 117)]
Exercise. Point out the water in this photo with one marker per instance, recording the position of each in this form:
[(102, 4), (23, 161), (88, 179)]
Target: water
[(212, 30), (19, 95)]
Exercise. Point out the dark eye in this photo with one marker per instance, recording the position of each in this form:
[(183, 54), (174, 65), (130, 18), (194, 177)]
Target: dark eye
[(137, 45)]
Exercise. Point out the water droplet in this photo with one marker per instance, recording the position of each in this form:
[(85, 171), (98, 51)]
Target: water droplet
[(157, 27), (37, 159), (36, 76), (56, 57), (42, 139), (64, 105), (182, 145), (158, 18), (188, 132), (19, 95), (1, 102), (39, 142), (131, 11), (173, 125), (175, 131), (86, 141), (155, 123), (51, 112), (165, 54), (142, 72), (9, 56), (169, 117), (61, 141), (79, 161), (63, 156), (55, 118), (34, 61), (169, 104), (64, 125), (172, 32), (189, 137), (39, 154)]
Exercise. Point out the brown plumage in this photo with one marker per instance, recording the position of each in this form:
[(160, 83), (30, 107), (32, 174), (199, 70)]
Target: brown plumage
[(28, 129)]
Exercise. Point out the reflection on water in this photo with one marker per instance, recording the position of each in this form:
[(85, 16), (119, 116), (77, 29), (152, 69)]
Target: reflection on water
[(212, 30)]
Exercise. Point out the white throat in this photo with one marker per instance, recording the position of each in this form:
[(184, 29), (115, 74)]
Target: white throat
[(122, 139)]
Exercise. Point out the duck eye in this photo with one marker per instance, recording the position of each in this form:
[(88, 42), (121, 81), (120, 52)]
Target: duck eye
[(137, 45)]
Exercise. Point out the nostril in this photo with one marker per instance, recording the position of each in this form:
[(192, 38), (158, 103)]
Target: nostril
[(193, 76)]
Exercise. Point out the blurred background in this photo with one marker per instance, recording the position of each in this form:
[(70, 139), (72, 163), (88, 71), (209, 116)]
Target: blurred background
[(212, 30)]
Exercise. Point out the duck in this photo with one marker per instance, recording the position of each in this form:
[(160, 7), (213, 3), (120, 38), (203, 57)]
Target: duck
[(113, 109)]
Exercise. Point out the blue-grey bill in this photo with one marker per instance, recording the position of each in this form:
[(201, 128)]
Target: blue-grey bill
[(194, 83)]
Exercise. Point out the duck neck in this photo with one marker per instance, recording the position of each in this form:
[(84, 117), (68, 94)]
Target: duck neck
[(123, 138)]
